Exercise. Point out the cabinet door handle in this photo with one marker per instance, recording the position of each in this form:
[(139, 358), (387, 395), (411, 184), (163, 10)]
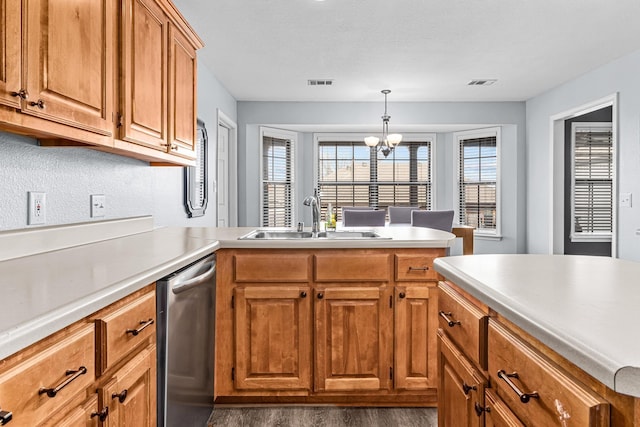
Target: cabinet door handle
[(51, 392), (23, 94), (102, 415), (320, 295), (171, 146), (144, 324), (303, 294), (467, 388), (121, 396), (418, 268), (5, 417), (480, 409), (450, 322), (402, 295), (39, 104), (524, 397)]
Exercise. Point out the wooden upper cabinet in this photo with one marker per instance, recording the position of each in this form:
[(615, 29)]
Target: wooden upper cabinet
[(353, 330), (10, 53), (182, 94), (144, 68), (68, 68)]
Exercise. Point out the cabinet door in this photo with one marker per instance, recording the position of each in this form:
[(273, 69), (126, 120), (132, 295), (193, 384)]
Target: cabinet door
[(68, 67), (10, 52), (353, 327), (461, 388), (273, 338), (131, 392), (497, 413), (144, 69), (182, 94), (415, 337)]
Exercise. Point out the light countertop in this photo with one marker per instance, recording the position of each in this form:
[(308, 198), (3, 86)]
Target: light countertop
[(584, 308), (44, 292)]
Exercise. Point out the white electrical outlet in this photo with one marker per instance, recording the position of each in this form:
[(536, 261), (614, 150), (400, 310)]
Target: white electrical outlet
[(37, 208), (98, 205), (625, 200)]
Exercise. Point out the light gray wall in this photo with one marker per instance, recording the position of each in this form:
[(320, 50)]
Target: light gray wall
[(619, 76), (132, 187), (287, 115)]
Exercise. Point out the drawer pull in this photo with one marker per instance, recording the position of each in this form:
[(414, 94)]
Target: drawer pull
[(144, 324), (320, 295), (479, 409), (122, 396), (51, 392), (5, 417), (445, 316), (402, 295), (303, 294), (524, 397), (418, 268), (467, 388), (102, 415)]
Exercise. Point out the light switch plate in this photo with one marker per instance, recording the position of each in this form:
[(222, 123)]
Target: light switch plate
[(625, 200), (98, 205)]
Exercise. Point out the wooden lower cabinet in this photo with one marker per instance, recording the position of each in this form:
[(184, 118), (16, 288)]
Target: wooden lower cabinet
[(461, 388), (273, 343), (415, 366), (353, 338), (54, 382), (130, 394), (326, 326)]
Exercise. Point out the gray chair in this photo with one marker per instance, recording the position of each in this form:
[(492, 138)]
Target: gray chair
[(401, 214), (440, 220), (363, 218)]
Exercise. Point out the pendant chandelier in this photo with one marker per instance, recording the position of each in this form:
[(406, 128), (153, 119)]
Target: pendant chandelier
[(388, 141)]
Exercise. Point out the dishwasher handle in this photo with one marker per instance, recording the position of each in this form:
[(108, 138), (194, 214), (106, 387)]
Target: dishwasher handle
[(196, 281)]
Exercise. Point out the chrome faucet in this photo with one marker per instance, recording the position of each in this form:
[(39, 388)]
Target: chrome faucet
[(314, 202)]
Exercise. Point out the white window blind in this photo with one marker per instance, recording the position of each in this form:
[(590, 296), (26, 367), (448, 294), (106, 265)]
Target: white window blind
[(592, 181), (277, 181), (478, 179), (352, 174)]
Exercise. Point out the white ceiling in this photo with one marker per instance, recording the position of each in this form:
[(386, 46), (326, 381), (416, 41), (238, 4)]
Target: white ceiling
[(423, 50)]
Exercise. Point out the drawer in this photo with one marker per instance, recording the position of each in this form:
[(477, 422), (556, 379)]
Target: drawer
[(41, 385), (412, 268), (345, 267), (272, 267), (497, 413), (535, 389), (465, 323), (120, 330)]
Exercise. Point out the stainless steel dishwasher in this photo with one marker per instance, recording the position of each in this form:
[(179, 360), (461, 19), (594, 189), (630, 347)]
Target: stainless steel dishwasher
[(186, 340)]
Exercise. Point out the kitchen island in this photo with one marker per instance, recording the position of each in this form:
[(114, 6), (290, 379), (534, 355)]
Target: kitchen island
[(576, 315)]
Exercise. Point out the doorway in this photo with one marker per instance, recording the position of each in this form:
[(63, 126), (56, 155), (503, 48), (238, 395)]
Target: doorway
[(226, 176), (564, 239)]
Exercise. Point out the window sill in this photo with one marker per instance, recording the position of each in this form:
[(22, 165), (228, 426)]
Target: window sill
[(590, 238), (482, 236)]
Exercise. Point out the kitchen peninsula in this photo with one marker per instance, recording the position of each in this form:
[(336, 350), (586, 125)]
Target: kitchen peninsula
[(107, 281), (554, 338)]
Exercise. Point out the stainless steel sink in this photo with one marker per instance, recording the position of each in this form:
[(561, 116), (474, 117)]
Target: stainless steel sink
[(296, 235), (365, 234), (282, 234)]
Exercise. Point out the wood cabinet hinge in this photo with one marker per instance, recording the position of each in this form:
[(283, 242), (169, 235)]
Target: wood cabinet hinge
[(391, 373), (233, 302), (119, 122), (233, 374), (390, 301)]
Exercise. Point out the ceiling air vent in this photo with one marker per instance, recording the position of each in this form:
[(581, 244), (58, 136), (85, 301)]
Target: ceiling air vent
[(482, 82), (320, 82)]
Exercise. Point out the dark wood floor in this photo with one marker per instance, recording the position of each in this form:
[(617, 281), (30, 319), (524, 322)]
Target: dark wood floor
[(323, 416)]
